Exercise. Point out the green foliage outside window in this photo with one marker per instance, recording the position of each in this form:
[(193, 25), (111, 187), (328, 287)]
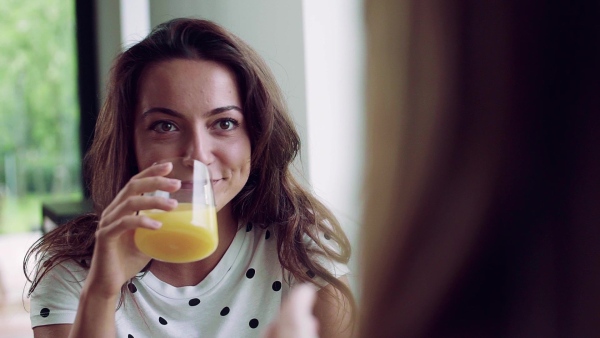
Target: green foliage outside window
[(39, 112)]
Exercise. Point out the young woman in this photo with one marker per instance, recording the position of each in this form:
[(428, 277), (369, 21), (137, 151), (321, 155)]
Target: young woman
[(191, 89)]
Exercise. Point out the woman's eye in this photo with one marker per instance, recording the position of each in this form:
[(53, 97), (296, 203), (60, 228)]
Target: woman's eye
[(227, 124), (163, 127)]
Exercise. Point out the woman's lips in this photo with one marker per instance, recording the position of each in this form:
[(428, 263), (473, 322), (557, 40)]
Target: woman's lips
[(187, 185), (190, 184)]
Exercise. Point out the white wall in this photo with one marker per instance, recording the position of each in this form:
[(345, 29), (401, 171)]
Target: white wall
[(135, 21), (333, 49)]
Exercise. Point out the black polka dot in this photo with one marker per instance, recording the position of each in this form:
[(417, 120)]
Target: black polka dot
[(253, 323), (248, 227), (162, 320), (276, 286), (268, 234), (327, 237), (194, 301), (45, 312), (225, 311), (310, 273), (250, 273), (130, 336), (132, 288)]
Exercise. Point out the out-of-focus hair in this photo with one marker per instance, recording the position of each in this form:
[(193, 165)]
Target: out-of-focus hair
[(482, 169)]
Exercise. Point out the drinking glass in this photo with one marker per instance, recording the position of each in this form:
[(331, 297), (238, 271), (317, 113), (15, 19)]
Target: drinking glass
[(189, 232)]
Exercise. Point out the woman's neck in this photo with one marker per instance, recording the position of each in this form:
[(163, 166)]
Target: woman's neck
[(190, 274)]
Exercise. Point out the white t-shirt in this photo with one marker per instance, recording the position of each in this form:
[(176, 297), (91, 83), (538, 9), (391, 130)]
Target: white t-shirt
[(238, 298)]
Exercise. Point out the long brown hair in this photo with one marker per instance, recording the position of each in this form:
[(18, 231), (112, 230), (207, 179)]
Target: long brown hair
[(483, 179), (272, 196)]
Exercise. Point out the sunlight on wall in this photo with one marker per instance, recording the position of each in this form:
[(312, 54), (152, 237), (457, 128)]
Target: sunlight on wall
[(333, 49), (135, 21)]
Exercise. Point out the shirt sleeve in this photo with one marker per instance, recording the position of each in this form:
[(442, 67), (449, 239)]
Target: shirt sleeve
[(56, 297), (334, 267)]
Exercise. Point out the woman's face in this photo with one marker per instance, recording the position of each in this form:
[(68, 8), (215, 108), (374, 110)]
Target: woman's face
[(192, 109)]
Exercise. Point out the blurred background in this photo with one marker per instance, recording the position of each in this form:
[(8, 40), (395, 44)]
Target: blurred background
[(39, 135), (54, 60)]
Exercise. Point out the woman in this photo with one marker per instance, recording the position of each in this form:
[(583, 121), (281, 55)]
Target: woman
[(191, 89)]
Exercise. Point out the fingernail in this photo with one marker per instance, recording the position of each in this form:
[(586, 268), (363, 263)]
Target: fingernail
[(154, 224), (161, 165), (174, 181), (172, 202)]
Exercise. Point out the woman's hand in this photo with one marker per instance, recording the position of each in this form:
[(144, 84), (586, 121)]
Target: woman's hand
[(295, 319), (116, 259)]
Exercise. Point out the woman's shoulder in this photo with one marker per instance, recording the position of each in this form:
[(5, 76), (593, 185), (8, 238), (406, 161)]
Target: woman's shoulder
[(259, 231), (63, 278), (320, 247), (68, 269)]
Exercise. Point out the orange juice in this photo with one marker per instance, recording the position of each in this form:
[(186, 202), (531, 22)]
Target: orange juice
[(186, 235)]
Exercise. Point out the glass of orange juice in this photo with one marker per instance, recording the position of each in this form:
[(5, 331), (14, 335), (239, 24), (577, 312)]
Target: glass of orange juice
[(189, 232)]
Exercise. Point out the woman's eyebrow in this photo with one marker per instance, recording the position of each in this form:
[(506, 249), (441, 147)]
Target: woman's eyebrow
[(224, 109), (174, 113), (162, 110)]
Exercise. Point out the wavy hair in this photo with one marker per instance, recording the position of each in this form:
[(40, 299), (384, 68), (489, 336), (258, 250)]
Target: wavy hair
[(271, 196)]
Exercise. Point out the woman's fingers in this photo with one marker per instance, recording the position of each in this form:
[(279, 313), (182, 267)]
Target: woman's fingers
[(295, 320), (142, 185), (155, 170), (148, 184), (136, 203), (126, 223), (115, 257), (302, 298), (148, 180), (119, 217), (298, 308)]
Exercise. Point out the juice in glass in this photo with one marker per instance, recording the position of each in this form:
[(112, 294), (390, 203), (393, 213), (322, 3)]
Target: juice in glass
[(186, 235)]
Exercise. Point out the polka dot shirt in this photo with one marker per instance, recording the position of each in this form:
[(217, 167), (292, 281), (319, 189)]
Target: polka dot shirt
[(237, 299)]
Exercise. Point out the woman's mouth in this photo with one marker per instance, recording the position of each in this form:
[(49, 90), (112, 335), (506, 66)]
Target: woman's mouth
[(190, 184), (187, 185)]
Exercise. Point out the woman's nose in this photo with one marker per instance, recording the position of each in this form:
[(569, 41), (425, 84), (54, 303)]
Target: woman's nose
[(199, 148)]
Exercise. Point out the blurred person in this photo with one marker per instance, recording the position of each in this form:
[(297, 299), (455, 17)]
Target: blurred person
[(482, 171), (191, 89)]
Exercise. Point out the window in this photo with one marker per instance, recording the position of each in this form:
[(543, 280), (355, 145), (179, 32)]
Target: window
[(39, 118)]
